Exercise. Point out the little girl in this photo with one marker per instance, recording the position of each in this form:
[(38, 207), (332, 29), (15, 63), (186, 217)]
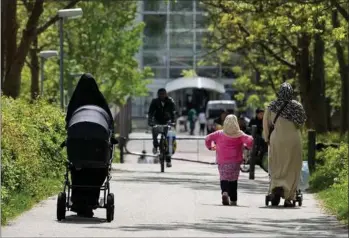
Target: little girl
[(229, 144)]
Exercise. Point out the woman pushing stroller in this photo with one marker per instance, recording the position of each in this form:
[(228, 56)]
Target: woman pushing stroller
[(89, 125), (281, 127)]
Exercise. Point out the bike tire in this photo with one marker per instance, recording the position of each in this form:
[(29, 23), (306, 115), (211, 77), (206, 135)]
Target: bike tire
[(162, 155), (162, 164)]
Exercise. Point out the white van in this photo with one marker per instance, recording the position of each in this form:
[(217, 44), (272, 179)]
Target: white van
[(214, 108)]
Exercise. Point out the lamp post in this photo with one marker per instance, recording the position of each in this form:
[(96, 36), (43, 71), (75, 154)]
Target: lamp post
[(44, 55), (62, 14)]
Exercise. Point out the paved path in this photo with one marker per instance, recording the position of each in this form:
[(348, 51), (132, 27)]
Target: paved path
[(183, 202)]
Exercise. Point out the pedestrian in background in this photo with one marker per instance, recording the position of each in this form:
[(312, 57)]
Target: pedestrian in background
[(192, 119), (202, 121)]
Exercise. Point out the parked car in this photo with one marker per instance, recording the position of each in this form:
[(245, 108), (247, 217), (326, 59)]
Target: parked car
[(214, 109)]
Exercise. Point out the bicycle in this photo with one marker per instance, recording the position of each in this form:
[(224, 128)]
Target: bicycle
[(163, 147), (245, 165)]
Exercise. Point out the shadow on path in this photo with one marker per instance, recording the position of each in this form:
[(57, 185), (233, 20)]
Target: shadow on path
[(74, 219), (313, 227), (208, 182)]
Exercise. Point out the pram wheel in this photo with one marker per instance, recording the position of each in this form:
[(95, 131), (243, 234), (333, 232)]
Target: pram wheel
[(299, 197), (267, 199), (275, 201), (61, 200), (110, 207)]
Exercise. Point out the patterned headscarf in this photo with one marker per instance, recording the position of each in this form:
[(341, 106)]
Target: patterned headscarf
[(293, 111), (231, 126)]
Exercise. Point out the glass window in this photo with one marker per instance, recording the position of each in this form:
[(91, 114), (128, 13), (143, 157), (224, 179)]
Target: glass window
[(154, 32), (202, 21), (159, 72), (181, 5), (155, 5), (180, 21), (200, 6), (154, 43), (201, 39), (177, 72), (155, 25), (153, 58), (208, 72), (181, 40), (182, 61)]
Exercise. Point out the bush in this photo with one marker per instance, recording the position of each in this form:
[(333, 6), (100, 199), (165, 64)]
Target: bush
[(330, 180), (32, 161)]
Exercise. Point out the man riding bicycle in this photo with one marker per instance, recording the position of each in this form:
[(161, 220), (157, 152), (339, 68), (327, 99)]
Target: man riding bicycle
[(262, 147), (161, 111)]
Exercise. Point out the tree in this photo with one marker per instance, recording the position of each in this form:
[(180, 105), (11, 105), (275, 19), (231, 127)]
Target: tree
[(17, 50), (106, 47), (280, 40)]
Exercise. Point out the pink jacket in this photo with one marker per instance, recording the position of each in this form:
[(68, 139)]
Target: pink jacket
[(228, 149)]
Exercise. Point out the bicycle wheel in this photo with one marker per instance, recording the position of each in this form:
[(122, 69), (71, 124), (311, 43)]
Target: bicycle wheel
[(162, 155)]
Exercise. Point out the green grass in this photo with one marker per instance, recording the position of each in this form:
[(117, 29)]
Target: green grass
[(24, 201), (335, 201), (330, 181), (116, 156)]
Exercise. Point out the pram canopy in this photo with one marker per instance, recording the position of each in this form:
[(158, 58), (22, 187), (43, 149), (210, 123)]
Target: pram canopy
[(90, 122)]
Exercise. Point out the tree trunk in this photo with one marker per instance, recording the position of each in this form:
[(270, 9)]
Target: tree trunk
[(312, 89), (318, 89), (304, 75), (9, 28), (12, 82), (343, 71), (34, 70)]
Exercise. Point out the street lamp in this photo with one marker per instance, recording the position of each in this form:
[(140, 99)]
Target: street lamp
[(44, 55), (62, 14)]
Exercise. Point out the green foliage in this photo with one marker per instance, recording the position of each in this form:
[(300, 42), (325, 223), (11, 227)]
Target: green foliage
[(331, 180), (103, 42), (31, 135), (264, 34), (188, 73), (106, 47)]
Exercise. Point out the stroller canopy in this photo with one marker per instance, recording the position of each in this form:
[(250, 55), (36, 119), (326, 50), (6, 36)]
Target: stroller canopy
[(90, 122)]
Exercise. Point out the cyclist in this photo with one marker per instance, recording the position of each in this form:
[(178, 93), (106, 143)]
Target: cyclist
[(161, 110), (262, 147)]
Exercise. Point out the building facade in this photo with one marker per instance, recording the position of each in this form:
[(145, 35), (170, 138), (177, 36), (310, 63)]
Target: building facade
[(172, 42)]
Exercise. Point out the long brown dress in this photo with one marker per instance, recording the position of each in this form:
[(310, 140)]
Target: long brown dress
[(285, 154)]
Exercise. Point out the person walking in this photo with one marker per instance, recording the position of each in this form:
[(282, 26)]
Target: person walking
[(192, 120), (283, 136), (228, 144), (202, 122)]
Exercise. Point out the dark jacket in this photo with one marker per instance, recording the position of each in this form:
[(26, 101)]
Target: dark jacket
[(258, 123), (161, 114)]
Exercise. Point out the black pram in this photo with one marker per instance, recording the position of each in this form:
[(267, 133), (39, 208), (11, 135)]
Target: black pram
[(90, 145)]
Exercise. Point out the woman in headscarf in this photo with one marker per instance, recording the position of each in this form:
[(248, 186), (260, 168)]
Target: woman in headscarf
[(285, 145), (229, 144), (86, 199)]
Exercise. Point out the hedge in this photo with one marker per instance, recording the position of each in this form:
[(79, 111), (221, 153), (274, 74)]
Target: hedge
[(330, 180), (32, 161)]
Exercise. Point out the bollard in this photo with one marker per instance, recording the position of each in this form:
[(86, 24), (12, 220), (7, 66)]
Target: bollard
[(122, 141), (253, 153), (311, 150)]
